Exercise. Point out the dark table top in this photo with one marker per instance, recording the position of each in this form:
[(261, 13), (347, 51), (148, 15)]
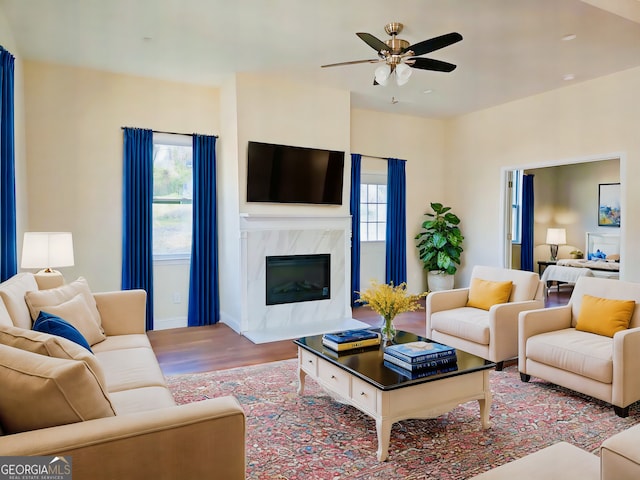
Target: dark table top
[(368, 364)]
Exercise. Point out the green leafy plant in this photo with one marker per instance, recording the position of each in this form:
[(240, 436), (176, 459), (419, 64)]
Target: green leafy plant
[(440, 241)]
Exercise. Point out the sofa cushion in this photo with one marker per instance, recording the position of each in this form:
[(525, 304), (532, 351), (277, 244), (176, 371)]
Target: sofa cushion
[(5, 318), (465, 322), (486, 293), (559, 461), (142, 399), (12, 292), (54, 325), (47, 391), (620, 456), (121, 342), (579, 352), (130, 368), (50, 345), (604, 316), (72, 302)]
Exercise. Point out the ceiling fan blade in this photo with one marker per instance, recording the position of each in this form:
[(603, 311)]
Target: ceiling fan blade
[(353, 62), (373, 42), (434, 44), (431, 64)]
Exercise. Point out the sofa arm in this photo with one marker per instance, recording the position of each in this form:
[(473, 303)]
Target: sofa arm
[(447, 299), (619, 456), (444, 300), (503, 327), (535, 322), (199, 440), (626, 381), (122, 312)]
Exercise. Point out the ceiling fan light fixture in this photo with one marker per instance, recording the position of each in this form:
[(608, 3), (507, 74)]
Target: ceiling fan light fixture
[(382, 74), (403, 72)]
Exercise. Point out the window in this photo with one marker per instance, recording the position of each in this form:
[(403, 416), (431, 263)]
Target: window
[(172, 196), (373, 210), (516, 207)]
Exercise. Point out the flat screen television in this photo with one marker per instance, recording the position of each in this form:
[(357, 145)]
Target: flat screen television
[(286, 174)]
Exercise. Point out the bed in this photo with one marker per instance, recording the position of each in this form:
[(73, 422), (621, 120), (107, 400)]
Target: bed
[(603, 260)]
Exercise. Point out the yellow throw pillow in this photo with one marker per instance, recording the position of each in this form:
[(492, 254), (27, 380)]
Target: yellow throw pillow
[(604, 316), (47, 391), (486, 293)]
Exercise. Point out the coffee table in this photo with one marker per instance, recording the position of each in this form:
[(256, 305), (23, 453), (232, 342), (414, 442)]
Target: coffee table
[(361, 379)]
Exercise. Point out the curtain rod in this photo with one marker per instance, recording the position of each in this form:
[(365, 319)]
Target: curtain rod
[(375, 156), (171, 133)]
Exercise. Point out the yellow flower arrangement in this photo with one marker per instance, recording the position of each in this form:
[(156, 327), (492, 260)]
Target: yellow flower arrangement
[(389, 301)]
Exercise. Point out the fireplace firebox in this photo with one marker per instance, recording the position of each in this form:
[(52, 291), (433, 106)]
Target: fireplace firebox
[(298, 278)]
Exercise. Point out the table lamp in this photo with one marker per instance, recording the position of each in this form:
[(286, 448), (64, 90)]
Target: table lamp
[(555, 237), (47, 250)]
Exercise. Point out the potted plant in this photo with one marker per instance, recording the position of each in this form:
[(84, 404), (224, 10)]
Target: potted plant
[(440, 245)]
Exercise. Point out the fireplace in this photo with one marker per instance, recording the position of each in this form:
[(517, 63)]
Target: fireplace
[(298, 278)]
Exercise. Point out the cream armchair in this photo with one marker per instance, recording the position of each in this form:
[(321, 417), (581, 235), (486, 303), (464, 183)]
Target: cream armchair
[(493, 333), (604, 367)]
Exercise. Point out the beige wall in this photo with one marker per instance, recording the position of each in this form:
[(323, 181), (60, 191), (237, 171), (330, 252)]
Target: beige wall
[(419, 141), (275, 110), (74, 118), (594, 119)]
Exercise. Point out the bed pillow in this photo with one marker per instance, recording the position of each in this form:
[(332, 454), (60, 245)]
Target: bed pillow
[(72, 302), (604, 316), (47, 391), (486, 293), (51, 346)]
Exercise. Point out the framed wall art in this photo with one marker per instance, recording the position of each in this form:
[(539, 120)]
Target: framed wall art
[(609, 205)]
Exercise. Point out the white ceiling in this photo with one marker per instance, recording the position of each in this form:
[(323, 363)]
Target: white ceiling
[(511, 48)]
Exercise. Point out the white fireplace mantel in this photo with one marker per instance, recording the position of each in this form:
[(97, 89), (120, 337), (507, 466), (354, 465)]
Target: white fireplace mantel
[(263, 235), (252, 221)]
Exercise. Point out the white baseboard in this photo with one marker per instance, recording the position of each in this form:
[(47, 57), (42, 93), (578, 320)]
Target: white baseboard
[(171, 322)]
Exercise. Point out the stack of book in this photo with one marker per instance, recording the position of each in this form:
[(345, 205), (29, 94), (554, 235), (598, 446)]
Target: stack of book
[(421, 356), (350, 339)]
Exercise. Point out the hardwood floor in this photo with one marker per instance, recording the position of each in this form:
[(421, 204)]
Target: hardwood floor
[(218, 347)]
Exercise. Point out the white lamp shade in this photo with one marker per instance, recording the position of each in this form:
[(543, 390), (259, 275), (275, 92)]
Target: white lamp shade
[(47, 250), (556, 236), (382, 74), (403, 72)]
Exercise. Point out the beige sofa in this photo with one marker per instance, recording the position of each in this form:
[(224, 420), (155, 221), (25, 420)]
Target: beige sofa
[(601, 366), (110, 411), (490, 333), (619, 460)]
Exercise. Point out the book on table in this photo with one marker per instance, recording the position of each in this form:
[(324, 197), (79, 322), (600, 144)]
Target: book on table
[(350, 339), (426, 372), (428, 364), (421, 351)]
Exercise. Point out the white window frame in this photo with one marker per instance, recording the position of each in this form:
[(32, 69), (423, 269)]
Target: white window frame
[(371, 179), (516, 206), (182, 141)]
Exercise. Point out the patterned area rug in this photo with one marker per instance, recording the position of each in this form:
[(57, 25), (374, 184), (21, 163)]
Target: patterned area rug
[(315, 437)]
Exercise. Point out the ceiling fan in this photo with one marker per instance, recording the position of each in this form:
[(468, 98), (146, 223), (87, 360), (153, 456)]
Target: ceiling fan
[(399, 55)]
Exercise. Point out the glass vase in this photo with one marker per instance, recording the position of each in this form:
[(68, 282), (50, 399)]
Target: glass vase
[(387, 330)]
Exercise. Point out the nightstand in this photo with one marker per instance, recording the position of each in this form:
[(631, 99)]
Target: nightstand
[(544, 264)]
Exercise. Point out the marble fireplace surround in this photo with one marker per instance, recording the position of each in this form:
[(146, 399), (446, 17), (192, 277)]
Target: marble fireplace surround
[(267, 235)]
